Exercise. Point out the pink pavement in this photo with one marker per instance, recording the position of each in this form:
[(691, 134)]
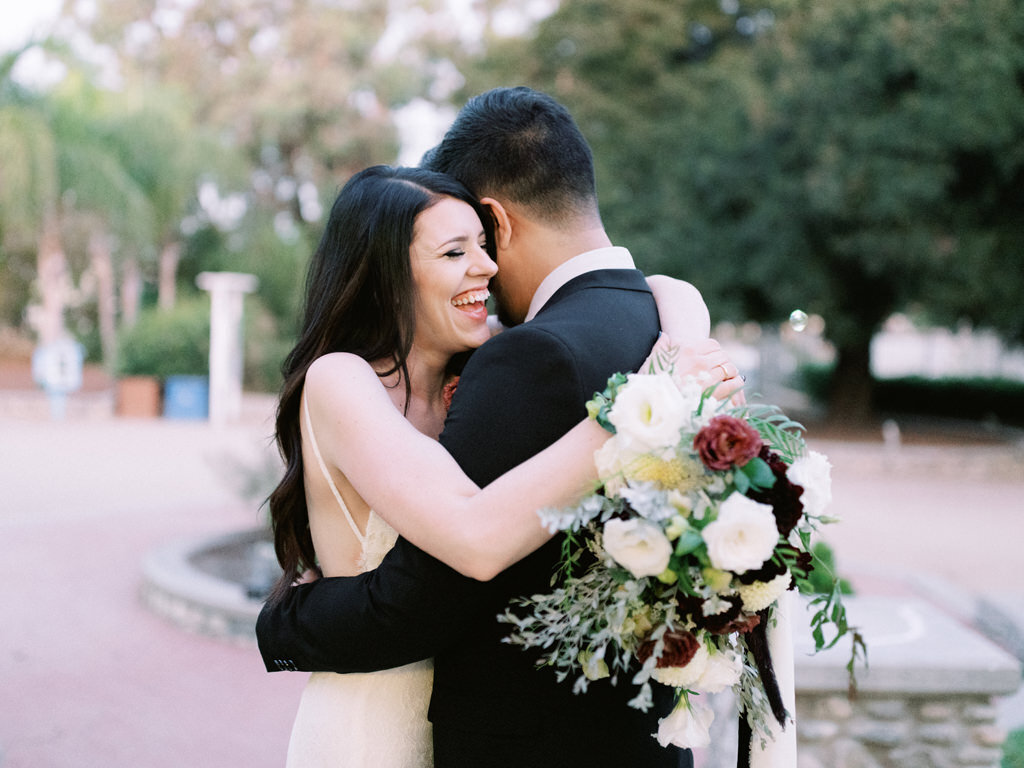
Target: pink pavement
[(90, 678)]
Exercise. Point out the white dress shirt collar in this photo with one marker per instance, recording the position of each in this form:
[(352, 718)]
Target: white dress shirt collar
[(612, 257)]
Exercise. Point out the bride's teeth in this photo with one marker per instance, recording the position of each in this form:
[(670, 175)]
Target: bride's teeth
[(471, 298)]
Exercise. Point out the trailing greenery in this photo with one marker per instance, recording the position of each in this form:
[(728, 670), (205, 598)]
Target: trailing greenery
[(823, 574)]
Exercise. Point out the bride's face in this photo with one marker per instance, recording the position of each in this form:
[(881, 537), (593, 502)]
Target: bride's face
[(450, 269)]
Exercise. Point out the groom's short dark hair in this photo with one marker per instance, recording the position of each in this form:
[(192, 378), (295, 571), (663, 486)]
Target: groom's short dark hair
[(522, 146)]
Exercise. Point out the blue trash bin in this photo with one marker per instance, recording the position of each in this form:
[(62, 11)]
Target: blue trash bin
[(187, 397)]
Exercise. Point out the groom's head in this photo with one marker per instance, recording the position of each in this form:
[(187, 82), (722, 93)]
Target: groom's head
[(521, 153)]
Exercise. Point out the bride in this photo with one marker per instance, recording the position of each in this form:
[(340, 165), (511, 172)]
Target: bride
[(394, 296)]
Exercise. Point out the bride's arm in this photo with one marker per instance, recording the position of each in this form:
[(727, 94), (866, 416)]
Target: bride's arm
[(684, 317), (419, 489), (681, 309)]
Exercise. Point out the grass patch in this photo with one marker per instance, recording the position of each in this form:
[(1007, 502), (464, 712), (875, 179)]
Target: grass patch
[(1013, 751)]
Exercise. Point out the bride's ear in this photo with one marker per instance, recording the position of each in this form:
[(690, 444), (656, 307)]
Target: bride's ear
[(502, 222)]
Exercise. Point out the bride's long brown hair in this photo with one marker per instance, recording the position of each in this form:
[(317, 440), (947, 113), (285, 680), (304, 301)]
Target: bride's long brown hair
[(358, 298)]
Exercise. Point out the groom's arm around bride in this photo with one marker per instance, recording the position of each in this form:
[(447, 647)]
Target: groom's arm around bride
[(522, 390)]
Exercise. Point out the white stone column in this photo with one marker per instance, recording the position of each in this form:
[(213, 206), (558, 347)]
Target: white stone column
[(227, 289)]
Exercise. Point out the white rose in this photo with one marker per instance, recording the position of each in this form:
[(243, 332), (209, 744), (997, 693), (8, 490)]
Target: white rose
[(637, 545), (722, 671), (813, 473), (689, 725), (743, 536), (649, 412)]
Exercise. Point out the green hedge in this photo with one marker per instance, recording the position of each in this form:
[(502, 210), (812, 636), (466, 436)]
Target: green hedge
[(966, 398), (166, 343), (974, 399)]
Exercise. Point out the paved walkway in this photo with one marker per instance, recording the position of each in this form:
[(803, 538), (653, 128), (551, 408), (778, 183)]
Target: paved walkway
[(89, 678)]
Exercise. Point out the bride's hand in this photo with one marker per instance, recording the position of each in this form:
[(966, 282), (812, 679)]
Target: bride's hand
[(705, 360)]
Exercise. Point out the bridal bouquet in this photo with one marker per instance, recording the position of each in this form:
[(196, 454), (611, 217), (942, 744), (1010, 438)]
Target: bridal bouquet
[(671, 569)]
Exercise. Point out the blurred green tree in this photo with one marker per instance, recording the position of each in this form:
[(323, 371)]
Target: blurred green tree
[(297, 85), (305, 90), (848, 159), (97, 185), (29, 193)]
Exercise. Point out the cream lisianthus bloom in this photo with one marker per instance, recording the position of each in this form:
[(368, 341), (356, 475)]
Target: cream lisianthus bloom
[(611, 460), (743, 536), (638, 546), (648, 413), (721, 671), (689, 725), (813, 473)]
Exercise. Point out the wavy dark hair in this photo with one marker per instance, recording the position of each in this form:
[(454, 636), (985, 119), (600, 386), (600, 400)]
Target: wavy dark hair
[(358, 298)]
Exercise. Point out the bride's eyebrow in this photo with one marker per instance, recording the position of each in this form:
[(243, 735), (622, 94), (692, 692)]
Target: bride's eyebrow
[(454, 240)]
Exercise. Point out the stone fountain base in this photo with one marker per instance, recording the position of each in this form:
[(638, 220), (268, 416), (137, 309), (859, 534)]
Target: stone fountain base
[(212, 586)]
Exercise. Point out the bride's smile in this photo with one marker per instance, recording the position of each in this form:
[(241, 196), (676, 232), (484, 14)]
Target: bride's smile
[(451, 270)]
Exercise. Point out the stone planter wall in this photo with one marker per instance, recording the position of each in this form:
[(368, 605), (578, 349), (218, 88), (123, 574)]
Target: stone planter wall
[(927, 699)]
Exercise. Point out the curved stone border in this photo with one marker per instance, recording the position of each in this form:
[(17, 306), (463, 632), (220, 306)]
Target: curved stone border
[(194, 599)]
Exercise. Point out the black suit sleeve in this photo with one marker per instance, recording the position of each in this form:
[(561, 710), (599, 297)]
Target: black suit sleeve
[(413, 606)]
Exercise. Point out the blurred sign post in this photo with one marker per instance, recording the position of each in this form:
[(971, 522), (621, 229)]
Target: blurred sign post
[(227, 289), (57, 368)]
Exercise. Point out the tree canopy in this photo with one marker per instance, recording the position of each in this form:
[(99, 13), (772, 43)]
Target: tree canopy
[(850, 159)]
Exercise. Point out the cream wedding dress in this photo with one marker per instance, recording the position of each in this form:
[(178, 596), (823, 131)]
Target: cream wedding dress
[(363, 720)]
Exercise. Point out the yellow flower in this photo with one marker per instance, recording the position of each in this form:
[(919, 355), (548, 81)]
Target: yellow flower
[(718, 580), (677, 473), (668, 576), (642, 622), (681, 502), (676, 527), (594, 667)]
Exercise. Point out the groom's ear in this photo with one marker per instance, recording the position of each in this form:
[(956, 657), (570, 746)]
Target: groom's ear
[(502, 222)]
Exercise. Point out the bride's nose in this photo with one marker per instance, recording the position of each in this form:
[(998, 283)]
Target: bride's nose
[(482, 264)]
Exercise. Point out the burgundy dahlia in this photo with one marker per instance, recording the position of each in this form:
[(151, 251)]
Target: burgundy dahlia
[(680, 648), (783, 496), (727, 442)]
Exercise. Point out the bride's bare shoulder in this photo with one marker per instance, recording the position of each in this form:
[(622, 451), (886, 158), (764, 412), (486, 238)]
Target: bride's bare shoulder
[(338, 372)]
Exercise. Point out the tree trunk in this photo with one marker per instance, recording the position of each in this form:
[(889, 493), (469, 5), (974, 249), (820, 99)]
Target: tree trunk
[(168, 278), (850, 392), (106, 297), (131, 291), (52, 274)]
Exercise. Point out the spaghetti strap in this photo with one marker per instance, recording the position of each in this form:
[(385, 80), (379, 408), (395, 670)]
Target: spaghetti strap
[(327, 476)]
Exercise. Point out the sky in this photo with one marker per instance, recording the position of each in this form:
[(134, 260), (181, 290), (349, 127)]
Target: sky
[(18, 20)]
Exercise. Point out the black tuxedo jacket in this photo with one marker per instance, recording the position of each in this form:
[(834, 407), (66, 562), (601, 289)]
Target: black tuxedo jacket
[(491, 706)]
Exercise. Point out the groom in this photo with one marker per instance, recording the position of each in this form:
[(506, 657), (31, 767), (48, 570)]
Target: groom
[(578, 311)]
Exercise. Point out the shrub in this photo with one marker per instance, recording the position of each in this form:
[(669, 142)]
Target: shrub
[(824, 562), (1013, 750), (166, 343), (961, 398)]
